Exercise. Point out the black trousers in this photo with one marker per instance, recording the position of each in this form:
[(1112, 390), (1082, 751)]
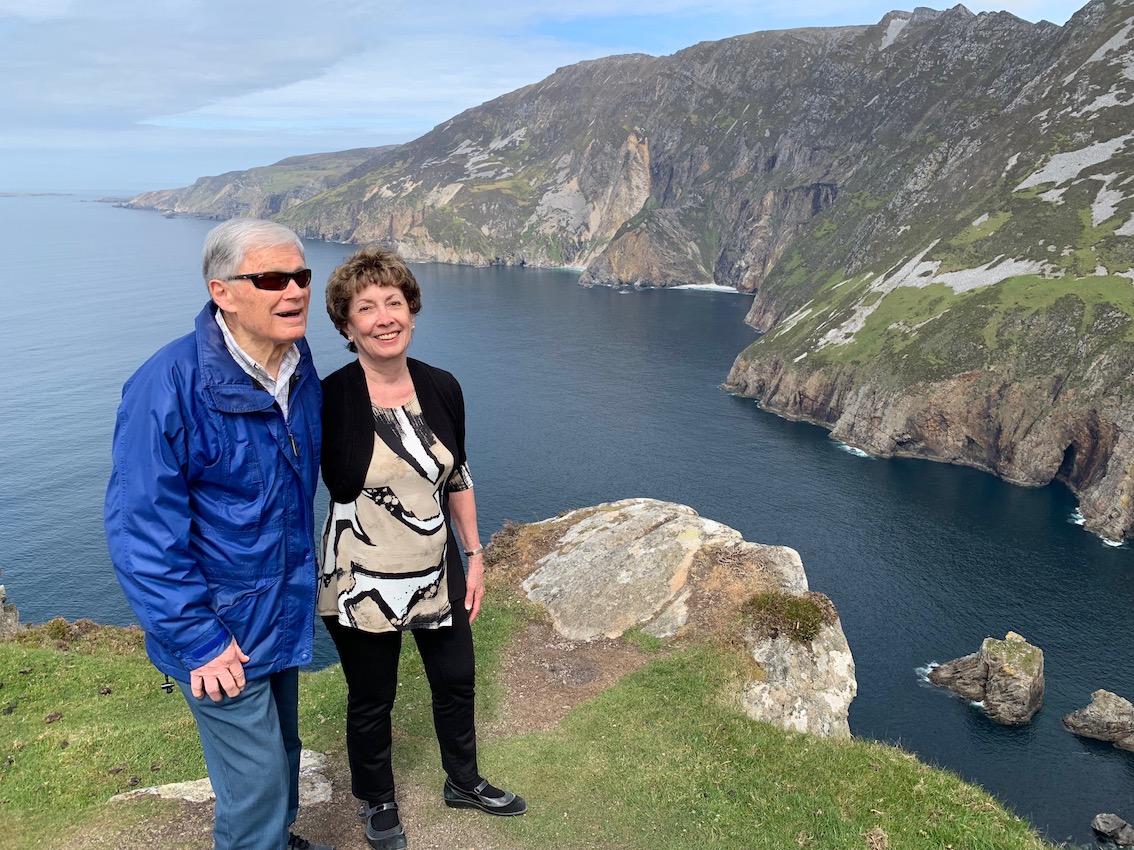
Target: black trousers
[(370, 665)]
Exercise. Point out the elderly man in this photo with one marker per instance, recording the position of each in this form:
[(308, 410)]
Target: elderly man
[(210, 526)]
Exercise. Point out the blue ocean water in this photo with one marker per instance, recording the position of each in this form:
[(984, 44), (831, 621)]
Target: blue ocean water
[(579, 396)]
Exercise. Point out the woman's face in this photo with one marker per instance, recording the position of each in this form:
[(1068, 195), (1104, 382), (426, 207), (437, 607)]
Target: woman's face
[(380, 324)]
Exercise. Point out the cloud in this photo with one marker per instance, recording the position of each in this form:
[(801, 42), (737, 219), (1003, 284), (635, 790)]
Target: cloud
[(388, 88), (327, 74), (37, 11), (106, 63)]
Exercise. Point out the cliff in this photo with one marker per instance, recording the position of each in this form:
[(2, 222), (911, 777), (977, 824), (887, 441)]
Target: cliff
[(977, 307), (660, 568), (935, 214), (260, 192)]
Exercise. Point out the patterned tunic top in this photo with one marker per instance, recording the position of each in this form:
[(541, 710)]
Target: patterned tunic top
[(383, 555)]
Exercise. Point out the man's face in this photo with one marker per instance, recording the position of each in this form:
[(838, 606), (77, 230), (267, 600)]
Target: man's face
[(261, 320)]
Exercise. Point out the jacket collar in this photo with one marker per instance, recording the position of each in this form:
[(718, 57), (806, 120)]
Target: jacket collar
[(227, 387)]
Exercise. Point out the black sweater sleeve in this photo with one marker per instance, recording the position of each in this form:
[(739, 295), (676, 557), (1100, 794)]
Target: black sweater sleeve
[(348, 423)]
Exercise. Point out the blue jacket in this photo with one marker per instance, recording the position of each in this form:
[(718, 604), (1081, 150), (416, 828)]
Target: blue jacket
[(209, 509)]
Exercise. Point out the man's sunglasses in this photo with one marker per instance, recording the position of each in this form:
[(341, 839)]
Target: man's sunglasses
[(277, 281)]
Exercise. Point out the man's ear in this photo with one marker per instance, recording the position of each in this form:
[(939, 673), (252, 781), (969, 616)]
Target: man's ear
[(221, 294)]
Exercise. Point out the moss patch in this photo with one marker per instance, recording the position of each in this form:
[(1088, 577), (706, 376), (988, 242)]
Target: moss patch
[(798, 617)]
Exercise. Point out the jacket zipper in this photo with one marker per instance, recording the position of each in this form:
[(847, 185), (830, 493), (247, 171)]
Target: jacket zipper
[(292, 382)]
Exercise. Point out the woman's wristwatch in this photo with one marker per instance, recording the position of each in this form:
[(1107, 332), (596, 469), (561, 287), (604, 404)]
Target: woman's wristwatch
[(479, 550)]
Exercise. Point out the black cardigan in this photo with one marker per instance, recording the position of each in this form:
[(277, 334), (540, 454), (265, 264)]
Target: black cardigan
[(348, 438)]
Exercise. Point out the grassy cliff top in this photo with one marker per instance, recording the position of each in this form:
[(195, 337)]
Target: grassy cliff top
[(665, 748)]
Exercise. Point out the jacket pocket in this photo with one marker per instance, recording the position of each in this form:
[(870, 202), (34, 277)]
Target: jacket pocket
[(249, 610)]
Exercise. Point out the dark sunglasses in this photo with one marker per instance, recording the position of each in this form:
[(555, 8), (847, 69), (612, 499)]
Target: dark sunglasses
[(277, 281)]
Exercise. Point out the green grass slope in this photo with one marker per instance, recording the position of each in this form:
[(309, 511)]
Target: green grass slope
[(666, 750)]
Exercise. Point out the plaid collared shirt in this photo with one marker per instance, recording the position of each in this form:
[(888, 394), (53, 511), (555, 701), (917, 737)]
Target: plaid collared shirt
[(280, 386)]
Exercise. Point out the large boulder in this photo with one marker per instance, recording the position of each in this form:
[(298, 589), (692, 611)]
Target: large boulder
[(1109, 717), (661, 568), (1115, 828), (1005, 676), (807, 687)]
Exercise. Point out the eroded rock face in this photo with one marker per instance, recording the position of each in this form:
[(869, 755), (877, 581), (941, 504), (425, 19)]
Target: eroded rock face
[(9, 616), (661, 567), (808, 686), (1109, 717), (1026, 428), (1115, 828), (1005, 675)]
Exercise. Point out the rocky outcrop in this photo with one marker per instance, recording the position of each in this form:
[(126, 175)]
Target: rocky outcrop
[(1109, 717), (1005, 676), (660, 568), (314, 787), (1114, 828), (1031, 419), (260, 192), (807, 687), (659, 253), (9, 616)]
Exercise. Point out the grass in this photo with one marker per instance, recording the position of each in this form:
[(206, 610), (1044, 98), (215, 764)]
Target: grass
[(798, 617), (116, 728), (674, 761), (931, 332), (677, 766)]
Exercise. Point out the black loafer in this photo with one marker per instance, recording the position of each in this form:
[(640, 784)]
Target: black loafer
[(294, 842), (393, 838), (506, 804)]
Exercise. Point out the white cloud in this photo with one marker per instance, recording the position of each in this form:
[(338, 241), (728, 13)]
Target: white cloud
[(329, 73), (386, 88), (35, 10)]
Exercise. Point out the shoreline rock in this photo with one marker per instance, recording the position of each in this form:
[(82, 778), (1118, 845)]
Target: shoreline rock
[(1026, 431), (1115, 828), (9, 616), (1006, 676), (1109, 718)]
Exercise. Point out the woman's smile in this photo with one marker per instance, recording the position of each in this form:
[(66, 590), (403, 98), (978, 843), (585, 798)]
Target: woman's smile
[(380, 323)]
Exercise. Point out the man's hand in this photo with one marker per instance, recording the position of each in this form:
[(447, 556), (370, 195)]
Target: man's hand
[(224, 673)]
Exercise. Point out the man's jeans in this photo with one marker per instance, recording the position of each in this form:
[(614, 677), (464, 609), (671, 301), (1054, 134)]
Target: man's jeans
[(251, 744)]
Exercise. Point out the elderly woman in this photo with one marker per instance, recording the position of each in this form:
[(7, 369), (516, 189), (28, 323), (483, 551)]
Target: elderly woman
[(394, 463)]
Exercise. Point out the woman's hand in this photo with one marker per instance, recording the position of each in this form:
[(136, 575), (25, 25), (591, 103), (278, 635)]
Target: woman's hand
[(475, 585), (462, 506)]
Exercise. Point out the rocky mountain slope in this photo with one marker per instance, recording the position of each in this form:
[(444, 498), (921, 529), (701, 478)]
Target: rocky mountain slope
[(936, 214), (971, 301), (261, 192)]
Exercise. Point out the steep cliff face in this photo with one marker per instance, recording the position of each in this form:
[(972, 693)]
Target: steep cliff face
[(715, 164), (935, 213), (260, 192), (702, 166), (978, 308)]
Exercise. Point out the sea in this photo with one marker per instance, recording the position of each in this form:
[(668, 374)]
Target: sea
[(578, 396)]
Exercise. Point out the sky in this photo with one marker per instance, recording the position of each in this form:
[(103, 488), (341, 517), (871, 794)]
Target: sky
[(123, 96)]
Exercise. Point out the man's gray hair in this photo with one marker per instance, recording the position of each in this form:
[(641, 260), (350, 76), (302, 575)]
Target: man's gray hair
[(227, 243)]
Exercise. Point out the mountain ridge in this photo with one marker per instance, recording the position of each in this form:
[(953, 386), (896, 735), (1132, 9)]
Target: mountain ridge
[(934, 212)]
